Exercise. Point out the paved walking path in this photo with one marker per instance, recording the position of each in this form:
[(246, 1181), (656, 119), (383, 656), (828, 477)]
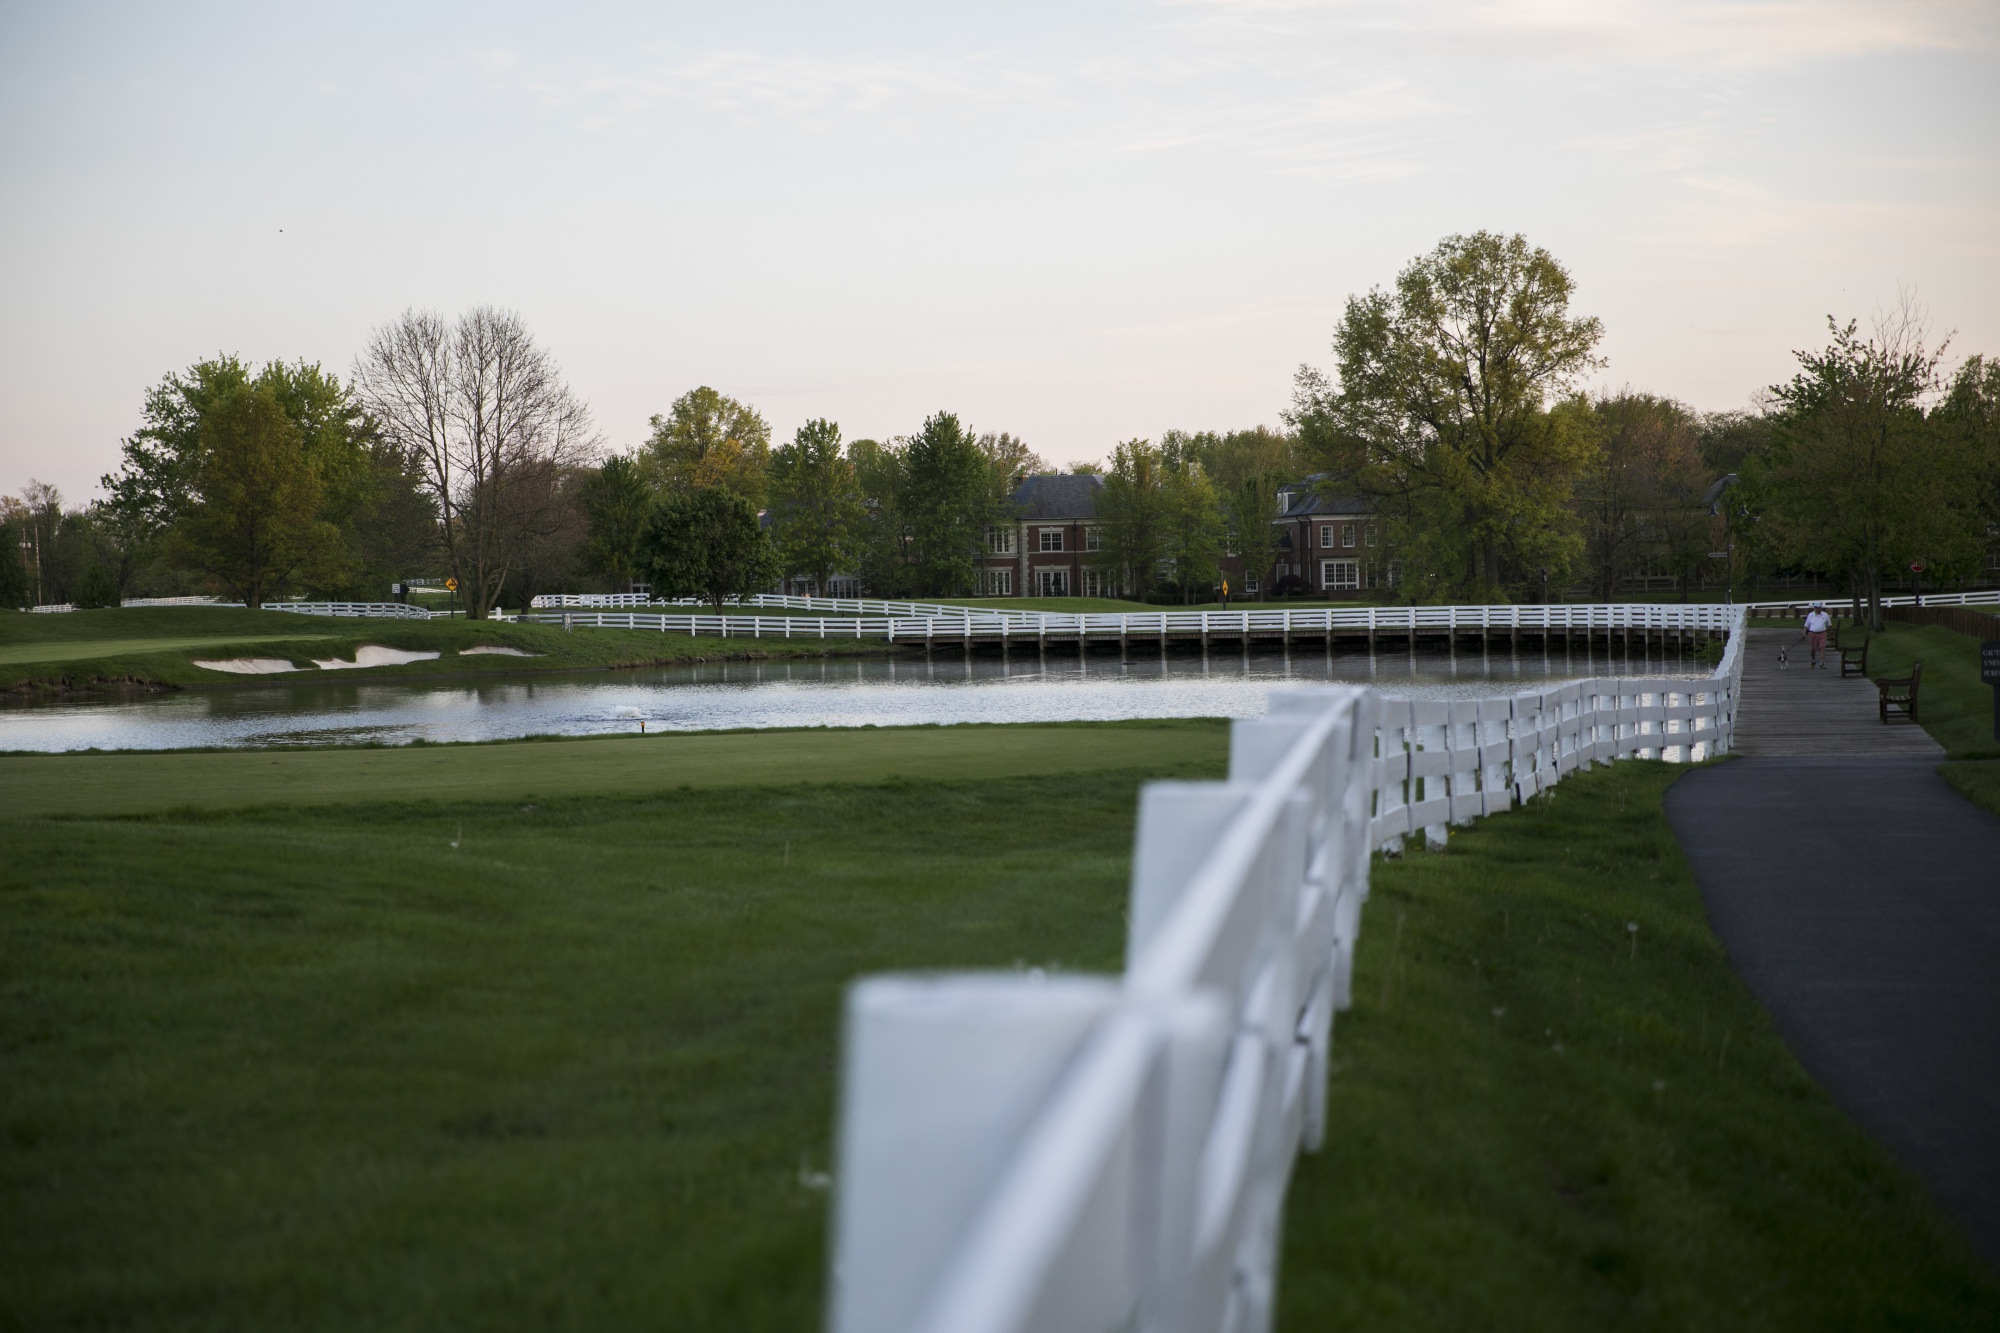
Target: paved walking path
[(1859, 897)]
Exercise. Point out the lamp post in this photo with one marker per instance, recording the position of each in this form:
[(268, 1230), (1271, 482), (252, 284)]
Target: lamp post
[(1917, 569)]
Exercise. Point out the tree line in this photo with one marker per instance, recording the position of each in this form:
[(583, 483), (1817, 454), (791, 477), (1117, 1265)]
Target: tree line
[(1456, 408)]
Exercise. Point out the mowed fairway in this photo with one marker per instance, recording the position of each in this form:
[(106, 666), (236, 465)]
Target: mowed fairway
[(437, 1038), (316, 1066), (98, 784)]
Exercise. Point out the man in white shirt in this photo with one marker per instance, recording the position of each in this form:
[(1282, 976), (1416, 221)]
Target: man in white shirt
[(1818, 622)]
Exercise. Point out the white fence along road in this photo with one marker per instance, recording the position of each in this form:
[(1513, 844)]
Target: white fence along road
[(1076, 1155)]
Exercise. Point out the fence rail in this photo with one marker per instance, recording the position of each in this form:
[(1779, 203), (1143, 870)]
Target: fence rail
[(1021, 1153), (1797, 605), (961, 625), (373, 610)]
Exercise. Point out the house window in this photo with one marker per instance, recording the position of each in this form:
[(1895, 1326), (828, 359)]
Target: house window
[(1347, 534), (1093, 539), (1097, 583), (1249, 584), (1371, 534), (1395, 573), (1052, 539), (999, 583), (1000, 541), (1326, 536), (1052, 582), (1336, 575), (843, 586)]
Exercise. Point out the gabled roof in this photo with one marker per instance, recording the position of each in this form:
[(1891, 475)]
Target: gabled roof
[(1066, 496), (1300, 499)]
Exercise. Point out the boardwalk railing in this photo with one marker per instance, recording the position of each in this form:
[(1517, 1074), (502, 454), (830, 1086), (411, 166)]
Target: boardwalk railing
[(1019, 1152), (770, 601), (958, 624)]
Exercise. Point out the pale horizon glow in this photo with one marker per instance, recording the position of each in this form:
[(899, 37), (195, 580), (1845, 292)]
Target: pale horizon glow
[(1077, 224)]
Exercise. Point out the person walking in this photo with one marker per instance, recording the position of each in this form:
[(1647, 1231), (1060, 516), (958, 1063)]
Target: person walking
[(1818, 622)]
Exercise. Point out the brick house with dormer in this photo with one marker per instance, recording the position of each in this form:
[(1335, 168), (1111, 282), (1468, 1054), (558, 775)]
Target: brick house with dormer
[(1045, 548), (1330, 546)]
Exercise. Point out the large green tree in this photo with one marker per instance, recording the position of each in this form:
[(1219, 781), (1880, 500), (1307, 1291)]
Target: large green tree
[(617, 499), (1453, 407), (1641, 497), (369, 489), (707, 543), (884, 537), (1858, 479), (1134, 518), (946, 501), (1969, 419), (252, 517), (1246, 468), (816, 505), (709, 439)]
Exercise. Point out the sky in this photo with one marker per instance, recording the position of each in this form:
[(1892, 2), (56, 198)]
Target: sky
[(1081, 223)]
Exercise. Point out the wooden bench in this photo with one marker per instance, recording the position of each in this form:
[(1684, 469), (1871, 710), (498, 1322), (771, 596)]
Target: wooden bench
[(1853, 661), (1900, 694)]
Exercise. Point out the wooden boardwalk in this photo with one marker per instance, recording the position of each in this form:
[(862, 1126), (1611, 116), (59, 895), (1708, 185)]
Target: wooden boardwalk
[(1798, 712)]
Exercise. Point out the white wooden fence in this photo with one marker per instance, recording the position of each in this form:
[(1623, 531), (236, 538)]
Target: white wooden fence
[(1991, 597), (1019, 1152), (958, 624), (373, 610), (770, 601)]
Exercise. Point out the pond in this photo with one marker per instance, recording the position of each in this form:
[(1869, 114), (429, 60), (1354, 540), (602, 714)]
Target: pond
[(828, 692)]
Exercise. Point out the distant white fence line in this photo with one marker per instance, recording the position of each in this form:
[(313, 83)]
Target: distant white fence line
[(176, 601), (52, 608), (1079, 1154), (1991, 597), (375, 610), (823, 606), (957, 624)]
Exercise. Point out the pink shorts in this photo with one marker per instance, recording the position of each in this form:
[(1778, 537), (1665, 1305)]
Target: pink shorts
[(1817, 642)]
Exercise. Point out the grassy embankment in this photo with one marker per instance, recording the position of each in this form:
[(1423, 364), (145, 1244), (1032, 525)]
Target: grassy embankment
[(429, 1037), (1953, 705), (156, 646)]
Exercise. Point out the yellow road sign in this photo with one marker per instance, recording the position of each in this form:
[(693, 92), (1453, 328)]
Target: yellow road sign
[(451, 585)]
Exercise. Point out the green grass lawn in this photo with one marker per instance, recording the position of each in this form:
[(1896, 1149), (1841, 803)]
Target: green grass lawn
[(158, 645), (129, 783), (1953, 706), (1541, 1119), (39, 651), (311, 1065)]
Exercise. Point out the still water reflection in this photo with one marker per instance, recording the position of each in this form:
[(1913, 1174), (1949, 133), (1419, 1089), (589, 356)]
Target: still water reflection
[(831, 693)]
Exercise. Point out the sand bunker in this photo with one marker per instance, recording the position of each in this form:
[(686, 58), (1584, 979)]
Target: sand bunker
[(373, 655), (249, 666), (495, 650)]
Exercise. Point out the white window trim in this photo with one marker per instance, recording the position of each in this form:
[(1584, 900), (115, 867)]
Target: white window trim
[(1329, 568)]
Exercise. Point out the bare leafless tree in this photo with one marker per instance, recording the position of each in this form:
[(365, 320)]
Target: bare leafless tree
[(486, 413)]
